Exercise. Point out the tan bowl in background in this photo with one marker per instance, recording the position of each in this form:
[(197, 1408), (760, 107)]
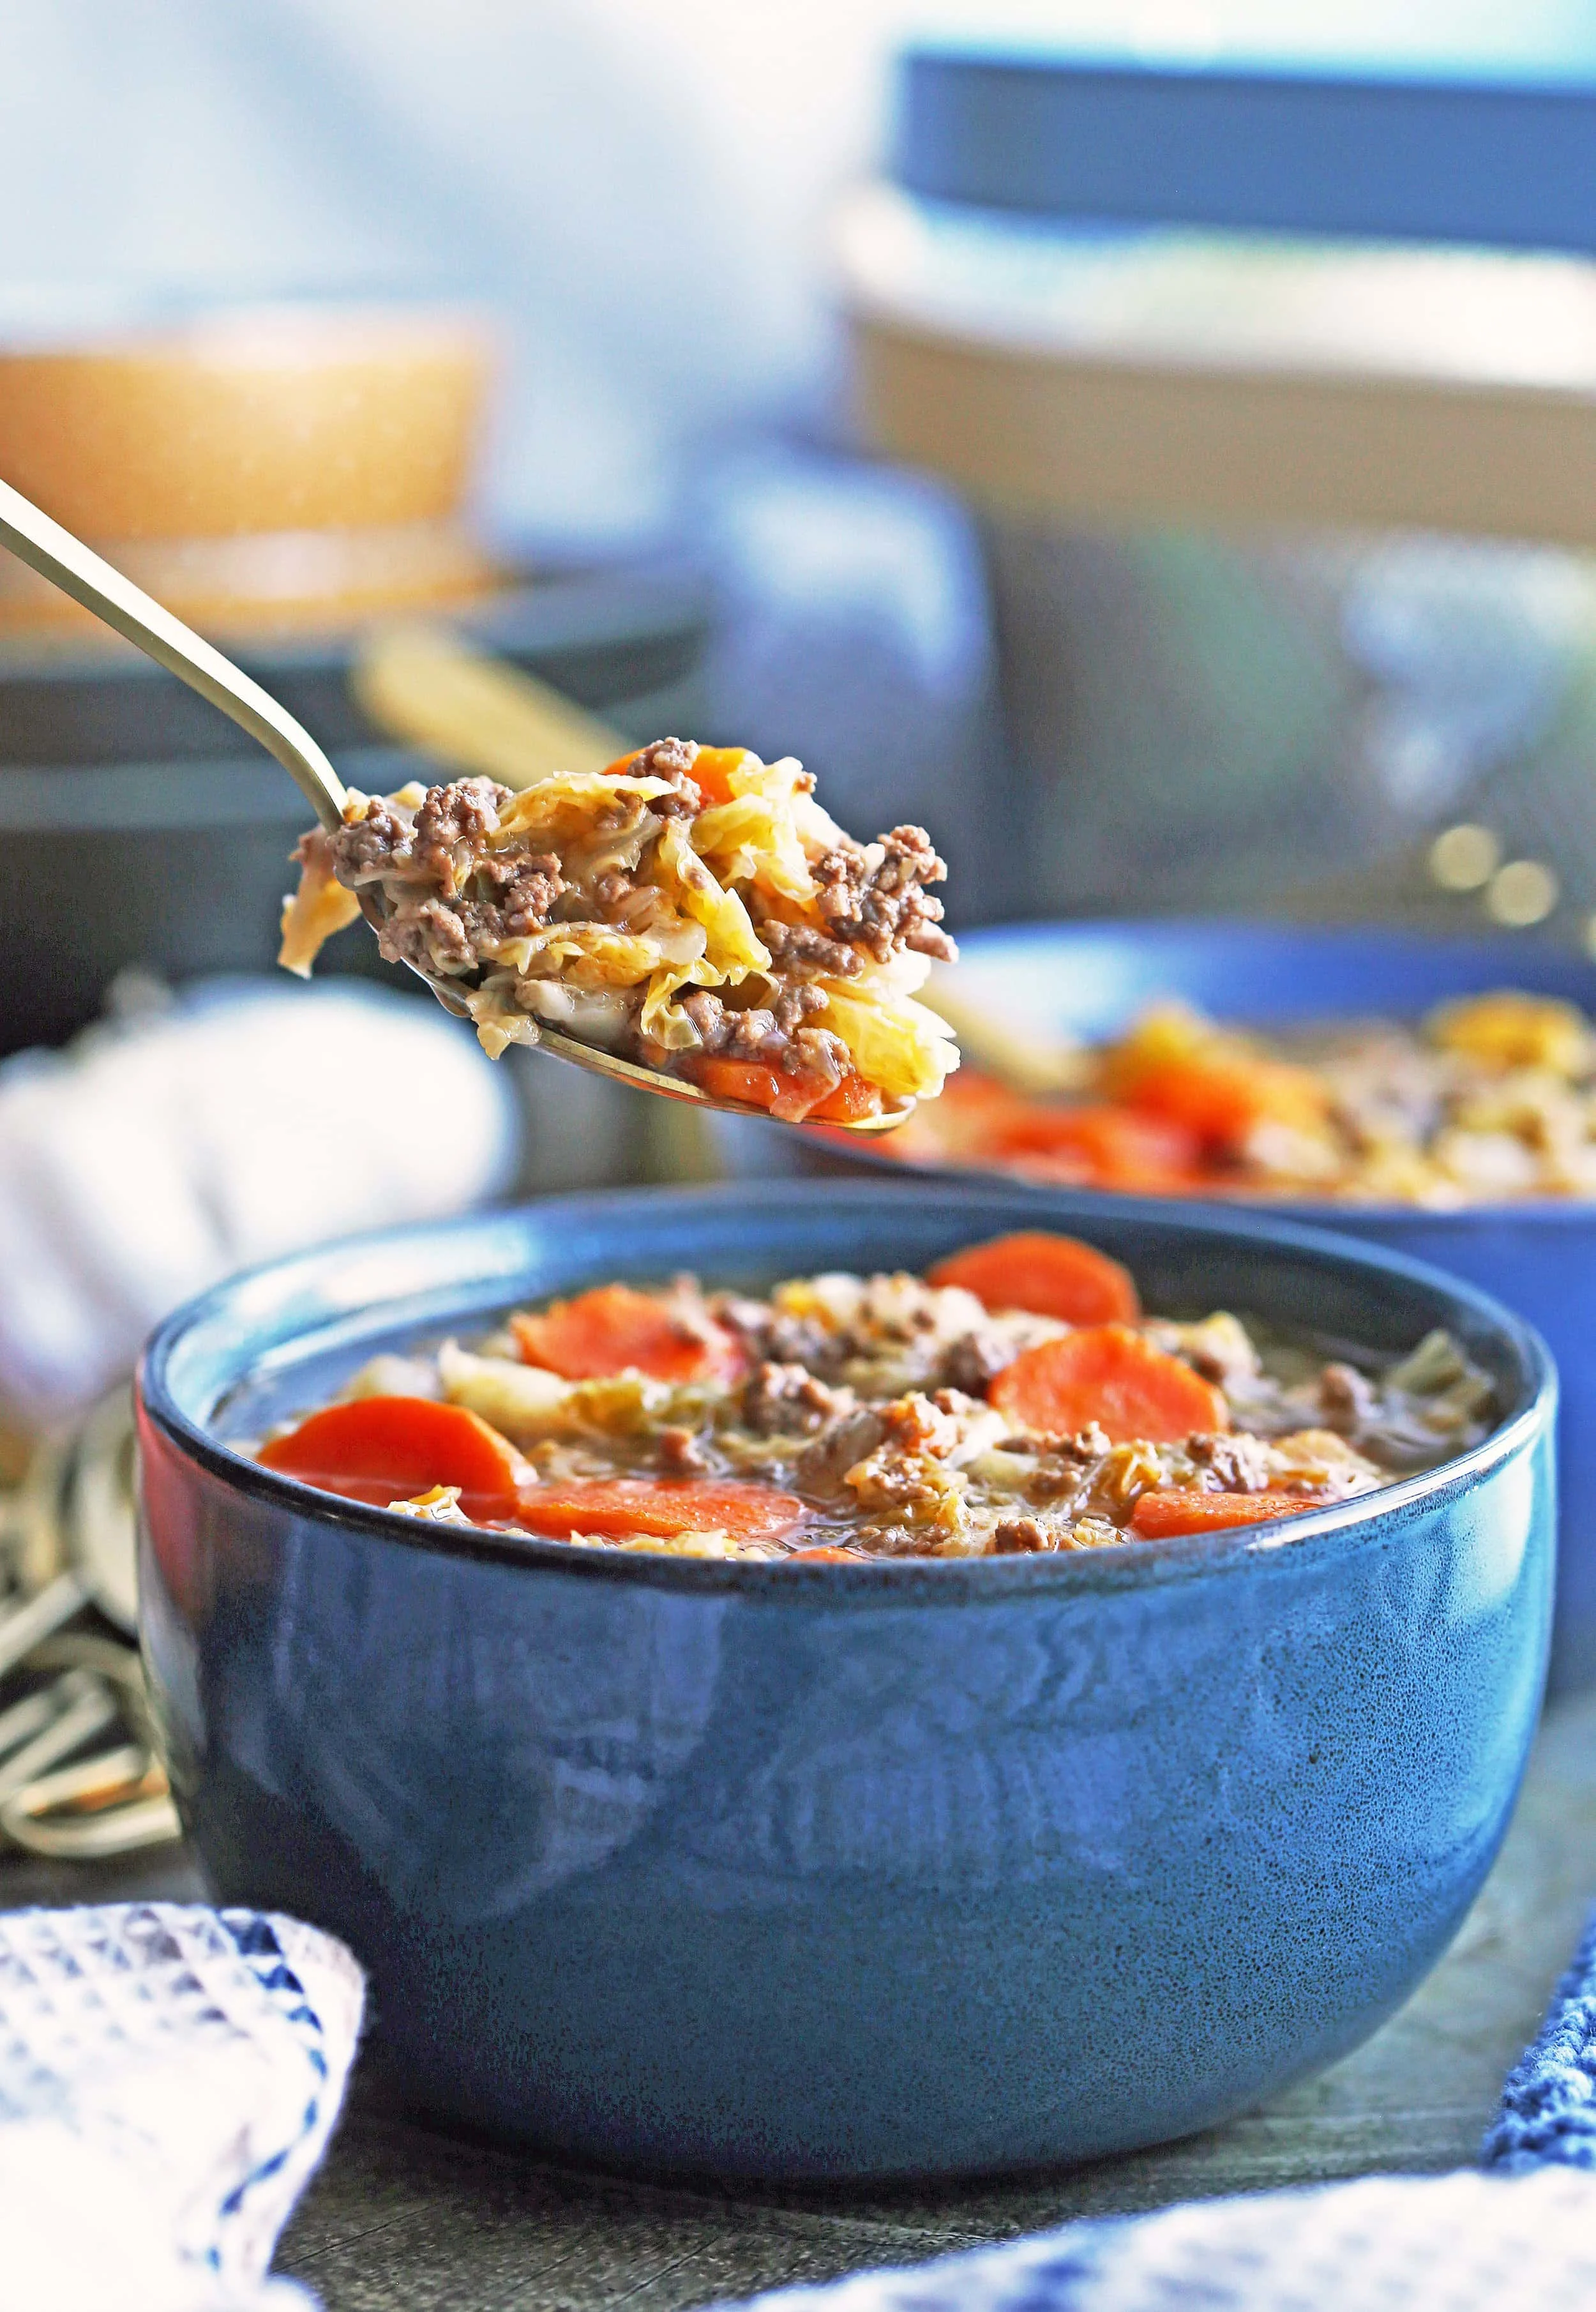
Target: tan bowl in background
[(256, 468)]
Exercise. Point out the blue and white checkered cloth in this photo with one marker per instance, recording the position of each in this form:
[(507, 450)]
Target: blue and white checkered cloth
[(169, 2078)]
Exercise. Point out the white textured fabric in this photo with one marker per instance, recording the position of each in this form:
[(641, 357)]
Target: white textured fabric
[(253, 1119), (168, 2078), (1461, 2243)]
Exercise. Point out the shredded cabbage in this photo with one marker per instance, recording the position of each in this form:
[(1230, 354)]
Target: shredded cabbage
[(312, 914), (752, 841), (561, 810), (522, 1400), (664, 1022), (731, 945), (899, 1046), (586, 955), (754, 838)]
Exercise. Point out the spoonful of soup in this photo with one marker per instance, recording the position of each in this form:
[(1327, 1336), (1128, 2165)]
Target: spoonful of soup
[(687, 920)]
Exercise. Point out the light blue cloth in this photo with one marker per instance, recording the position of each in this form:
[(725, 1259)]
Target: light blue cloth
[(1548, 2105), (1519, 2235)]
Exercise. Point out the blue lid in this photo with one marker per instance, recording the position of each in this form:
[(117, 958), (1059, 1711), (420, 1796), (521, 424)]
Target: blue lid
[(1369, 152)]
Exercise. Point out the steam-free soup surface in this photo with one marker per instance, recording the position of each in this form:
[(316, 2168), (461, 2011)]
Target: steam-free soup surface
[(1015, 1399)]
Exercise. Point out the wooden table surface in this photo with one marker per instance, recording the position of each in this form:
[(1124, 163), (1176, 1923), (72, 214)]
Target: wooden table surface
[(404, 2219)]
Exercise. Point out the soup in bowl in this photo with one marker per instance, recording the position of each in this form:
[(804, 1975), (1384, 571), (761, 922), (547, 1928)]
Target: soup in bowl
[(826, 1858)]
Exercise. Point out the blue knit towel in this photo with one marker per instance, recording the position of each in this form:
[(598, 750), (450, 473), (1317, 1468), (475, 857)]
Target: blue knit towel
[(1520, 2237), (1549, 2105), (168, 2078)]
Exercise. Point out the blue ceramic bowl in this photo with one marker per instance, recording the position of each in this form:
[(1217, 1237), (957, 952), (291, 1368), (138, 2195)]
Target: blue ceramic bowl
[(843, 1871), (1091, 979)]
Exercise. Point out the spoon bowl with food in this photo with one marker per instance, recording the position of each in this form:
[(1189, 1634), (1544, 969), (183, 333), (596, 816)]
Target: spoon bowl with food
[(687, 920)]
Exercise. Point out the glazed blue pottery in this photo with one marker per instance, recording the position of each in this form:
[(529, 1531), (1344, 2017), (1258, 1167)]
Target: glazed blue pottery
[(1091, 979), (836, 1871)]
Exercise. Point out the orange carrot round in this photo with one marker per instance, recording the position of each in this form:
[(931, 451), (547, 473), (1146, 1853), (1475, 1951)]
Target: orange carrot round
[(615, 1329), (1101, 1146), (391, 1448), (1110, 1375), (751, 1081), (1050, 1276), (1177, 1508), (793, 1099), (1221, 1099), (712, 773), (852, 1100), (618, 1508)]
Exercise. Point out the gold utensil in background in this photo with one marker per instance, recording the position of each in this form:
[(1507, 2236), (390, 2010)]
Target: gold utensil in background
[(427, 688), (67, 563)]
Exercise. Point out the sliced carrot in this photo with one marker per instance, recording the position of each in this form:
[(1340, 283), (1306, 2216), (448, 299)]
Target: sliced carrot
[(615, 1329), (973, 1106), (1050, 1276), (792, 1098), (852, 1100), (1104, 1146), (619, 1507), (1221, 1100), (1179, 1510), (710, 773), (749, 1080), (822, 1553), (390, 1448), (1108, 1374)]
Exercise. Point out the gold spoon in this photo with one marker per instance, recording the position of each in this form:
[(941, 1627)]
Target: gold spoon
[(67, 563)]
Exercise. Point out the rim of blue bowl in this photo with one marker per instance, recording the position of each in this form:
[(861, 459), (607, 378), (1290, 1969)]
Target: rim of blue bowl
[(1128, 1564), (1313, 1213)]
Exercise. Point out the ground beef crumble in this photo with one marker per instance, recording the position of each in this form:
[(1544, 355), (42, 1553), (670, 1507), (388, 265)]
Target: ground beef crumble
[(1345, 1397), (873, 896), (680, 1454), (451, 825), (973, 1360), (427, 934), (801, 948), (788, 1401), (1231, 1461), (1012, 1537)]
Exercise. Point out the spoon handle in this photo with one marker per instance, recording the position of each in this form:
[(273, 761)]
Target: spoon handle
[(54, 552)]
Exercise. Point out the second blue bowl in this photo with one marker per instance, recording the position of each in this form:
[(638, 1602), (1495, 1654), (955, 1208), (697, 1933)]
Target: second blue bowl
[(1090, 979)]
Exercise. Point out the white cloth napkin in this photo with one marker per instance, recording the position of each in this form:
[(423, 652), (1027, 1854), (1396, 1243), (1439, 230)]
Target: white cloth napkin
[(169, 2078), (249, 1119)]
